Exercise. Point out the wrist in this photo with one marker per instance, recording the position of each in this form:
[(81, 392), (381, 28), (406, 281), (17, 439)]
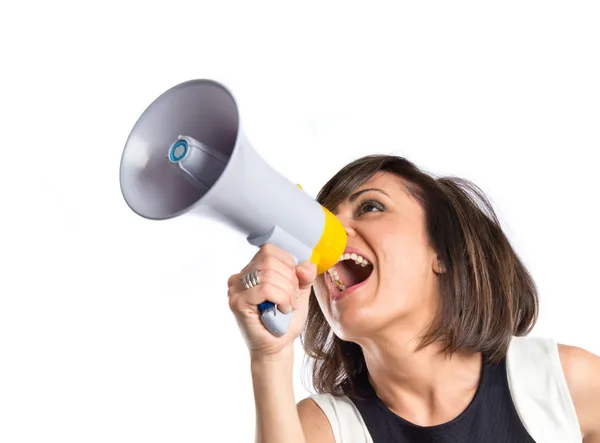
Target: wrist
[(284, 357)]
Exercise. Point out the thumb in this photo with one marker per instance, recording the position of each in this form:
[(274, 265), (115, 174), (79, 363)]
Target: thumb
[(306, 273)]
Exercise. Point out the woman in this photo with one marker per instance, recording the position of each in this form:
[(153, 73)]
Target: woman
[(419, 333)]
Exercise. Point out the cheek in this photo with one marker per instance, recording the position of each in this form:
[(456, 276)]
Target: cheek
[(406, 265)]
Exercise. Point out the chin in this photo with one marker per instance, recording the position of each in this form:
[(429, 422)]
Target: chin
[(352, 331), (357, 319), (352, 320)]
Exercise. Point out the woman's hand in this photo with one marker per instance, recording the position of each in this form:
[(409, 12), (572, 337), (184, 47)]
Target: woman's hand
[(282, 283)]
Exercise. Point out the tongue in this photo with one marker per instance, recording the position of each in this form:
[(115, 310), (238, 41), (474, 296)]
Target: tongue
[(351, 274)]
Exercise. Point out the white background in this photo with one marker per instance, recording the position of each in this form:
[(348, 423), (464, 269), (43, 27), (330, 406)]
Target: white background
[(111, 331)]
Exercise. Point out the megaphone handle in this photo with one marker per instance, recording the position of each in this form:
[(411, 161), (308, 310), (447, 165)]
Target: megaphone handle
[(274, 320)]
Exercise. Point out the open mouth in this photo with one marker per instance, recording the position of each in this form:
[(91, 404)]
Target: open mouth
[(350, 270)]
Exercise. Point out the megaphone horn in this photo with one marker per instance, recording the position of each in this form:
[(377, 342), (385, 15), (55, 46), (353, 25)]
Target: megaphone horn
[(187, 154)]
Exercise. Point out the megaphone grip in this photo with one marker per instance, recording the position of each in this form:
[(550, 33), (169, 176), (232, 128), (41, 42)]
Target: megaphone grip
[(276, 322), (265, 305)]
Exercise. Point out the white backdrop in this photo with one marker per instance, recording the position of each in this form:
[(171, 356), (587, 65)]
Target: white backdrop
[(110, 331)]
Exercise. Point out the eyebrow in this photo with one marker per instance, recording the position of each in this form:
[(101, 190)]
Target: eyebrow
[(362, 191)]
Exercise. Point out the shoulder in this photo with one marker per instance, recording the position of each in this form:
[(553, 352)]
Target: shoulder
[(315, 424), (582, 373), (328, 418)]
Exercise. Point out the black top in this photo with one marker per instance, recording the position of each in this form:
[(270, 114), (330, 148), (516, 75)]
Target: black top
[(490, 417)]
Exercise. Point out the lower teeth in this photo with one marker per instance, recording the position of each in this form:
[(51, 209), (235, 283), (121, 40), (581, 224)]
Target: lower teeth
[(336, 281)]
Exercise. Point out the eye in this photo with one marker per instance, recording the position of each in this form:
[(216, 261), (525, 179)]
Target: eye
[(369, 206)]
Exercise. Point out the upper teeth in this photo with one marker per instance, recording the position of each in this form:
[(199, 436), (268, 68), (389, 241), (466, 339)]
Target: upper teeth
[(359, 260)]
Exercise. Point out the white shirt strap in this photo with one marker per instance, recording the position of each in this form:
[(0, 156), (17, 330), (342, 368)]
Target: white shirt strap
[(539, 390)]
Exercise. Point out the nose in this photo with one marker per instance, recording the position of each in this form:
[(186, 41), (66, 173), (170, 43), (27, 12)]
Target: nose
[(348, 228), (345, 219)]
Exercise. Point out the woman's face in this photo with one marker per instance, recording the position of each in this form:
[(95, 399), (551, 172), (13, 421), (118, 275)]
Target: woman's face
[(387, 225)]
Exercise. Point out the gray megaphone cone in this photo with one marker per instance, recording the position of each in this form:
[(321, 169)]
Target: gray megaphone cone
[(187, 154)]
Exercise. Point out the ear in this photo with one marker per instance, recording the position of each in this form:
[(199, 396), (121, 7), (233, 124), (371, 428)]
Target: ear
[(439, 267)]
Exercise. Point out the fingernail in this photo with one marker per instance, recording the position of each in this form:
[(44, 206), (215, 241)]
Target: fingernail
[(308, 264)]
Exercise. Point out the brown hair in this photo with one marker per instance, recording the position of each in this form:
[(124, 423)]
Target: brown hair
[(486, 294)]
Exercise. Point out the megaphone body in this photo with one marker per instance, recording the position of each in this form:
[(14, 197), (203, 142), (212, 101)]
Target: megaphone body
[(187, 154)]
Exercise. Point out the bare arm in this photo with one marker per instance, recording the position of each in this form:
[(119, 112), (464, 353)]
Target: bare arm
[(582, 372), (278, 417)]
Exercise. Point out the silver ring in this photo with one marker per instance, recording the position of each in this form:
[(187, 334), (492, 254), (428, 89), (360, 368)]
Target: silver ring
[(251, 279)]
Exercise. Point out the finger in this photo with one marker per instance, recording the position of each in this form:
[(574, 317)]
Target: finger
[(271, 293), (306, 273), (276, 252), (273, 263), (287, 284), (273, 287), (249, 299)]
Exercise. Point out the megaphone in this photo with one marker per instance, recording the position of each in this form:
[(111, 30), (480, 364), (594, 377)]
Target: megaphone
[(187, 154)]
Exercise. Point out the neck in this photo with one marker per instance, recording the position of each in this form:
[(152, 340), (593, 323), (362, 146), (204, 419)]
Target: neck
[(407, 380)]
